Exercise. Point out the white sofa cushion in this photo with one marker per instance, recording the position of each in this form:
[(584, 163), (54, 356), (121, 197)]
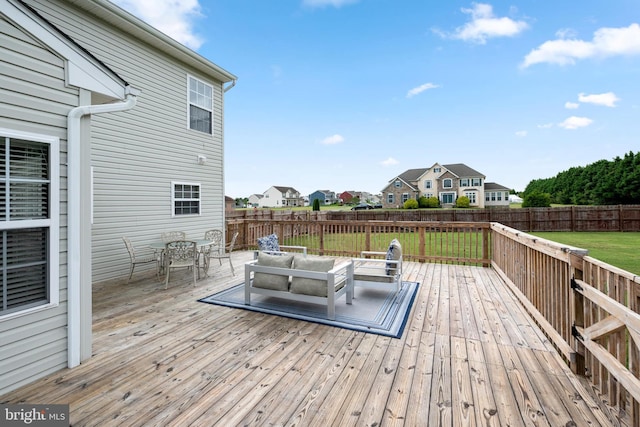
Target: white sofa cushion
[(276, 282), (306, 286)]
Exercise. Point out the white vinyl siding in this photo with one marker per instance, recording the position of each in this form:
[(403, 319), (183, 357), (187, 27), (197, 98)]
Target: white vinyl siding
[(136, 154), (35, 103)]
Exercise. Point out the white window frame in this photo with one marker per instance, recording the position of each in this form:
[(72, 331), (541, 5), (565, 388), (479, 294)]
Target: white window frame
[(448, 194), (464, 182), (52, 223), (428, 184), (200, 103), (445, 181), (405, 197), (391, 198), (476, 182), (174, 199), (472, 197)]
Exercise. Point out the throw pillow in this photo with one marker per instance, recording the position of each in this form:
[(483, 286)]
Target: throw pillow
[(268, 243), (275, 282), (306, 286), (393, 253)]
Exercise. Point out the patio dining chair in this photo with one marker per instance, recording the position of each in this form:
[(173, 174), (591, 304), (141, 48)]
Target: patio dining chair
[(136, 258), (225, 252), (215, 237), (172, 236), (181, 254)]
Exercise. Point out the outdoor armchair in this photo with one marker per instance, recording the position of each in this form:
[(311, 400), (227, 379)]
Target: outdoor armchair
[(379, 269)]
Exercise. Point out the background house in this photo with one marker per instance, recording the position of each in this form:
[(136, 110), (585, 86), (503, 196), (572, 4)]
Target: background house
[(125, 124), (279, 197), (495, 195), (254, 200), (447, 183), (326, 197)]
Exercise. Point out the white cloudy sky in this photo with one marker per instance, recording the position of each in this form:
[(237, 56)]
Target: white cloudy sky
[(347, 94)]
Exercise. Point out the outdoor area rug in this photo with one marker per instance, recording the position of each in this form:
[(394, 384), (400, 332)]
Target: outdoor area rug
[(373, 311)]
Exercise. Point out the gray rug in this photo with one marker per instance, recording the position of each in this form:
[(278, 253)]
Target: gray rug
[(373, 311)]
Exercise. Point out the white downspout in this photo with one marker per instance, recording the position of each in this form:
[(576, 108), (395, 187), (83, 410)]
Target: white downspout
[(74, 215)]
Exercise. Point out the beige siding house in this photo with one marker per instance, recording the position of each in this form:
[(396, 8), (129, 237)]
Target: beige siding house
[(113, 129), (446, 183)]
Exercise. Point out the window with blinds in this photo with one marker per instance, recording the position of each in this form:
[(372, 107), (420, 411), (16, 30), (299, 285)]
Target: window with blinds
[(25, 223), (200, 105)]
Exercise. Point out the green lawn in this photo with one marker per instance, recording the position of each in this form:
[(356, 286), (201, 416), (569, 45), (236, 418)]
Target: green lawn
[(618, 249)]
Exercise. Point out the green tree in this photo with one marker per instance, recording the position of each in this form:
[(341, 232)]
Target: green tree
[(411, 204), (463, 202), (423, 202), (316, 204), (537, 199)]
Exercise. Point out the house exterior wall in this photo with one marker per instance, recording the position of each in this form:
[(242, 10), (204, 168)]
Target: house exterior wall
[(35, 100), (434, 177), (138, 154), (272, 198), (395, 194), (318, 195), (427, 183), (254, 200)]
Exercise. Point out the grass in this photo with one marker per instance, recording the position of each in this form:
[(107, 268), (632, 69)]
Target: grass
[(615, 248)]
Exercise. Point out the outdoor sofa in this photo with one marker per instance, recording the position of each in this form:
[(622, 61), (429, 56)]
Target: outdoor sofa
[(297, 277)]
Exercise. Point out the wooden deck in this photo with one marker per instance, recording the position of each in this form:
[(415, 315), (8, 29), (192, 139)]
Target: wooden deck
[(469, 356)]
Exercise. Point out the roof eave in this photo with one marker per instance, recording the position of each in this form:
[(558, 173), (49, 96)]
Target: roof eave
[(125, 21)]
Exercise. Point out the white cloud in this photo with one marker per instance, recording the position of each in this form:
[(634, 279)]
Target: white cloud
[(323, 3), (521, 133), (332, 140), (484, 25), (571, 105), (421, 88), (172, 17), (389, 162), (608, 99), (606, 42), (574, 122)]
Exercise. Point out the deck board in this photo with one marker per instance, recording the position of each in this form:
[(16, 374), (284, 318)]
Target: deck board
[(469, 355)]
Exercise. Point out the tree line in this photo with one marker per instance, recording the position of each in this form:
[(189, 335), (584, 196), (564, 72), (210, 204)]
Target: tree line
[(601, 183)]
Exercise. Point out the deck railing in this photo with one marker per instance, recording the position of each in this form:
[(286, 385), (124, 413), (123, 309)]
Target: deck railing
[(588, 309), (447, 242)]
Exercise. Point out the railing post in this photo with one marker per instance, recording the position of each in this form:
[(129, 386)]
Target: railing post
[(577, 360), (367, 237), (485, 246), (321, 238), (422, 253)]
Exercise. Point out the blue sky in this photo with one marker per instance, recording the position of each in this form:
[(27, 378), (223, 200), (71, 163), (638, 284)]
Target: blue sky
[(347, 94)]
